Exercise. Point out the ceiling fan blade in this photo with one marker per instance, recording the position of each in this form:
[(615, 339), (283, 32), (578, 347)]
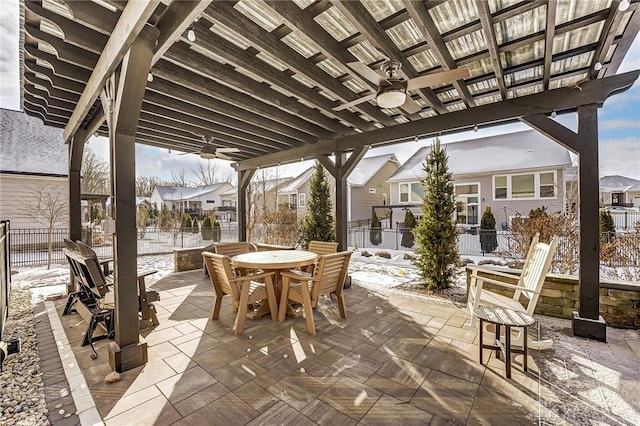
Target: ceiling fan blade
[(365, 72), (223, 156), (410, 105), (187, 153), (355, 102), (430, 80), (219, 150)]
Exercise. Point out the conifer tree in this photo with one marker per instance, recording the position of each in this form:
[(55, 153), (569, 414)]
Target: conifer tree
[(318, 223), (407, 232), (436, 235), (375, 232), (488, 234)]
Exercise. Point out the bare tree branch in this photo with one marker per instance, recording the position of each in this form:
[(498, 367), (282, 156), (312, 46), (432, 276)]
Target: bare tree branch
[(95, 174)]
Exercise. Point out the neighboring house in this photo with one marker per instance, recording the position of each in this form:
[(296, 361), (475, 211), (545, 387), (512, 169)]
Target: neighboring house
[(511, 173), (265, 192), (619, 191), (226, 212), (33, 162), (195, 201), (366, 187)]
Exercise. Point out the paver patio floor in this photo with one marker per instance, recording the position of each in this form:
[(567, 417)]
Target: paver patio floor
[(396, 359)]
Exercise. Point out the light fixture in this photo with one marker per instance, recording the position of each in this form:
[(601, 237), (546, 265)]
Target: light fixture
[(415, 139), (149, 77), (623, 5), (597, 66), (96, 134), (391, 98), (301, 158), (475, 128), (554, 114), (169, 150), (191, 35)]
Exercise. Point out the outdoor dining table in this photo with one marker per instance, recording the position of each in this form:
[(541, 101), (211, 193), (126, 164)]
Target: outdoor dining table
[(273, 261)]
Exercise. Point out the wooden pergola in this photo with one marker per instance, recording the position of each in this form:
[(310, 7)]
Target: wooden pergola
[(265, 77)]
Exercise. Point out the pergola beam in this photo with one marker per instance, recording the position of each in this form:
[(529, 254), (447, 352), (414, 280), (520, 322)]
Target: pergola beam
[(131, 22), (490, 37), (564, 99)]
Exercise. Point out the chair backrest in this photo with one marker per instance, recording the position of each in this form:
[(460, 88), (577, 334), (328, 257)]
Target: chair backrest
[(233, 249), (330, 273), (89, 271), (323, 247), (70, 244), (535, 269), (220, 271)]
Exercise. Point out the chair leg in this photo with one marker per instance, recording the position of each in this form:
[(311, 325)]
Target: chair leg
[(242, 308), (308, 310), (271, 299), (215, 314), (342, 306), (284, 297)]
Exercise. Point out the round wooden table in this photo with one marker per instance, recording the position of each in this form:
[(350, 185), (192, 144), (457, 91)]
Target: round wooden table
[(507, 318), (276, 261)]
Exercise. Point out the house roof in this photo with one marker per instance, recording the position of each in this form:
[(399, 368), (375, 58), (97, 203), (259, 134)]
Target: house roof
[(297, 182), (618, 183), (177, 193), (502, 153), (30, 147), (368, 167), (267, 185)]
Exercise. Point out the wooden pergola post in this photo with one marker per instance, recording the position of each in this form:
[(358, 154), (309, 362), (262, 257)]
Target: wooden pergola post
[(341, 170), (587, 322), (127, 351), (76, 149), (244, 179)]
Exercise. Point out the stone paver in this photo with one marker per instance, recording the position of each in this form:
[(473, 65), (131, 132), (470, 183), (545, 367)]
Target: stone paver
[(394, 359)]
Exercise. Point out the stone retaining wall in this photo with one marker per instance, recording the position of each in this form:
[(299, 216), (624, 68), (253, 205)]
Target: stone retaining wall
[(619, 300), (188, 259)]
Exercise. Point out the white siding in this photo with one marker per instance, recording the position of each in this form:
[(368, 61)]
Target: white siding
[(17, 195)]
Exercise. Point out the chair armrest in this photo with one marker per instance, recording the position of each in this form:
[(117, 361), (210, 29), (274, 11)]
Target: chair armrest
[(253, 277), (105, 266), (298, 275), (513, 276), (146, 273), (505, 285)]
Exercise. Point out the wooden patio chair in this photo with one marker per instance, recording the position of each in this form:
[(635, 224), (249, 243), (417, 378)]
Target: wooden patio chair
[(320, 248), (232, 249), (327, 279), (528, 285), (244, 290)]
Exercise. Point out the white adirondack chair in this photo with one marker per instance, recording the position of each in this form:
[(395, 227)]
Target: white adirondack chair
[(529, 284)]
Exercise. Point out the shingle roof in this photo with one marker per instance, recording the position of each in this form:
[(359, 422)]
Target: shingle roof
[(617, 183), (367, 168), (185, 193), (293, 186), (502, 153), (30, 147)]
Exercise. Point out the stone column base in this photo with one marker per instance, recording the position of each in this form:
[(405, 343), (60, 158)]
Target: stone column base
[(128, 357), (589, 328)]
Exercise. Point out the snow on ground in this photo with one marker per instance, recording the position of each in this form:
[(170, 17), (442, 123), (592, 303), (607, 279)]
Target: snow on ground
[(372, 272)]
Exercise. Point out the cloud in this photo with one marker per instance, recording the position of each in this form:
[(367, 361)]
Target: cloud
[(620, 156), (619, 124)]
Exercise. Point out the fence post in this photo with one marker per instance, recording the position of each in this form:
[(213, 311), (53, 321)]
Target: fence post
[(626, 218)]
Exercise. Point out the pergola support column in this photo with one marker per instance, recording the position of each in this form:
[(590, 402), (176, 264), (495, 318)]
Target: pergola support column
[(341, 170), (587, 322), (122, 113), (244, 179), (76, 149)]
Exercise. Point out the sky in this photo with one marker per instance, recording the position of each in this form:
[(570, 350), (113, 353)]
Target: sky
[(618, 122)]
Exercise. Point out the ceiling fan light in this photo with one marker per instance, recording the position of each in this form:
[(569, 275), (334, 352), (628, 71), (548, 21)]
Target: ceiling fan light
[(391, 99), (623, 5), (208, 155)]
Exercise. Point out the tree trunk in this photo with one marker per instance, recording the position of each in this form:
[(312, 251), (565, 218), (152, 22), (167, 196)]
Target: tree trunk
[(49, 245)]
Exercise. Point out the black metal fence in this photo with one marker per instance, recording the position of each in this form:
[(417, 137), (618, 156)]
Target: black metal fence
[(29, 247), (623, 252)]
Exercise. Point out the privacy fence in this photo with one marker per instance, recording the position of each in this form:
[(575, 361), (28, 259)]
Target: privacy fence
[(29, 246)]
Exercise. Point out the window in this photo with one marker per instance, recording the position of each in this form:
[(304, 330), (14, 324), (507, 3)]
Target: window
[(524, 186), (467, 203), (411, 192), (293, 201), (384, 199), (302, 200)]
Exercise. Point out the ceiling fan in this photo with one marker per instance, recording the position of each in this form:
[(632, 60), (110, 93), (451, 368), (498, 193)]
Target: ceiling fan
[(392, 91), (209, 152)]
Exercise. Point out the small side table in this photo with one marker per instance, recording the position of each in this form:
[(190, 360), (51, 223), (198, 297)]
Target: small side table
[(508, 318)]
